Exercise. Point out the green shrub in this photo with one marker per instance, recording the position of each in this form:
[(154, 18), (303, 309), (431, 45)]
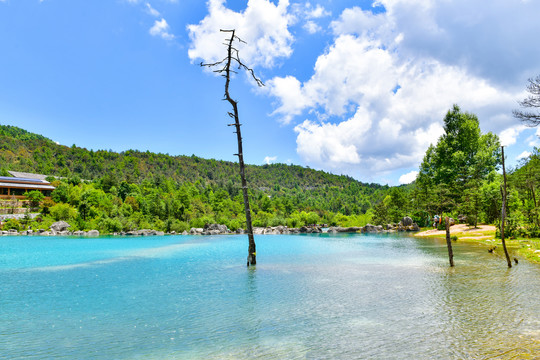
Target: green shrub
[(63, 212), (109, 225), (11, 224)]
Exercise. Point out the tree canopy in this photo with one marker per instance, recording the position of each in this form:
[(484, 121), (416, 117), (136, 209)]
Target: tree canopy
[(460, 160)]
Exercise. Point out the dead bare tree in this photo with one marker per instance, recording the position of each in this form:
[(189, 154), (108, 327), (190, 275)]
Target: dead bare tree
[(225, 70), (449, 241), (530, 118), (503, 212)]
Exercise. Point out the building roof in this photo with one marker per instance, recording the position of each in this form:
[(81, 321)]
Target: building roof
[(44, 186), (25, 181), (24, 175)]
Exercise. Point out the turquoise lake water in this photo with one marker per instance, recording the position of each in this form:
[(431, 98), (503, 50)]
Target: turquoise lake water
[(310, 297)]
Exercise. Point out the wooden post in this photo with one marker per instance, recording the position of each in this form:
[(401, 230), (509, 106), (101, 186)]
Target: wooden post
[(503, 212), (449, 241)]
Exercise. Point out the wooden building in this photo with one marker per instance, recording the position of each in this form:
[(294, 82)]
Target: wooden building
[(20, 183)]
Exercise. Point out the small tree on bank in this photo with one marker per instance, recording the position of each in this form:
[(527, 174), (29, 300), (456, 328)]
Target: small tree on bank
[(225, 70)]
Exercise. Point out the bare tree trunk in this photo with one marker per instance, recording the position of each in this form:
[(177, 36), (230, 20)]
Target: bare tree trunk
[(503, 212), (232, 55), (449, 242)]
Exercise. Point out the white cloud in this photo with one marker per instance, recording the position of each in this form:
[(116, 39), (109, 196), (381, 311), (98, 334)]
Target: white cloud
[(311, 27), (262, 25), (509, 136), (408, 178), (534, 140), (382, 104), (161, 29), (316, 12), (270, 159), (151, 10), (490, 42), (525, 154)]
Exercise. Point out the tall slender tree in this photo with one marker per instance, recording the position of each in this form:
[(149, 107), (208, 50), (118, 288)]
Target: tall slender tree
[(224, 68), (503, 211)]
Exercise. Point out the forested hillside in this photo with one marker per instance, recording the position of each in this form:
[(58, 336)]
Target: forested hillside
[(134, 189)]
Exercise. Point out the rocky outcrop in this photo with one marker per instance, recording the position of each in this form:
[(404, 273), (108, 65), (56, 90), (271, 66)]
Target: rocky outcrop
[(406, 224), (196, 231), (372, 228), (144, 232), (339, 229), (215, 229)]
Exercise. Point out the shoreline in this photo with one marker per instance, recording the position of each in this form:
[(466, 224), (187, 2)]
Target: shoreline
[(528, 249)]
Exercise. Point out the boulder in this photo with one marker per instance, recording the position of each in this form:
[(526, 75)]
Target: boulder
[(215, 229), (278, 230), (406, 221), (79, 233), (93, 233), (339, 229), (60, 226), (371, 228), (258, 231), (196, 231)]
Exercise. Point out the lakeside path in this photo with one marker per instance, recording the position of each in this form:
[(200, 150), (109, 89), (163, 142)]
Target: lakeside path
[(485, 235), (482, 232)]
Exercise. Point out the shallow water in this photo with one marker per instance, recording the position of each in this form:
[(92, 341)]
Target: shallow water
[(310, 297)]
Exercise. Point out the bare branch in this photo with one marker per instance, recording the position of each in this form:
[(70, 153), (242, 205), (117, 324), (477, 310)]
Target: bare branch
[(530, 118)]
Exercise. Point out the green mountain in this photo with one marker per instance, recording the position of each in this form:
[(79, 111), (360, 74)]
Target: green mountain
[(23, 151)]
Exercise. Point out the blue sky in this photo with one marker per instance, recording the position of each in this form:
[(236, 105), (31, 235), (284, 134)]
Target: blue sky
[(352, 87)]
